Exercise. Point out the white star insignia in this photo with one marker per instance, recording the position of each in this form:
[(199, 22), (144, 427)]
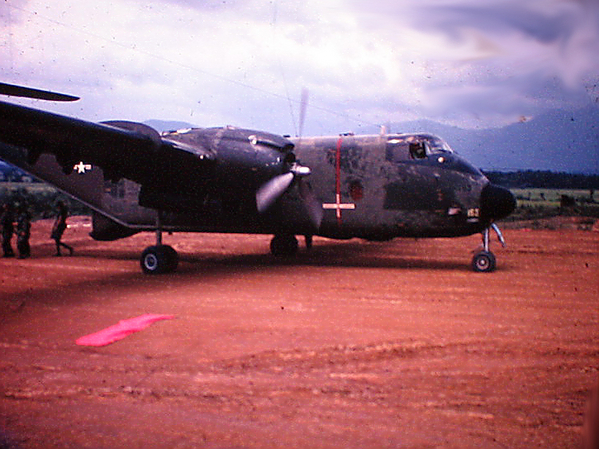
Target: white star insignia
[(81, 167)]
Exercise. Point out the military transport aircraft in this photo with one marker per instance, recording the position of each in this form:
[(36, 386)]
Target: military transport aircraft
[(235, 180)]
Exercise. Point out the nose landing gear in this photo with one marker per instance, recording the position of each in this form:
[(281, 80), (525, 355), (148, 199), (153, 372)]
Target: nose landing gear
[(484, 261)]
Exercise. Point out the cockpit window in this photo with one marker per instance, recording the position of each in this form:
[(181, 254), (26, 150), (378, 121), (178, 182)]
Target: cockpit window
[(397, 150), (438, 145), (418, 150), (406, 147)]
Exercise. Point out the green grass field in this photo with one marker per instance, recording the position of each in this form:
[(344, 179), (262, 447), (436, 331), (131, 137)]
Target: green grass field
[(540, 203), (551, 197)]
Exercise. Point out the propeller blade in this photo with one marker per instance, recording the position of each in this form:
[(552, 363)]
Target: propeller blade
[(303, 108), (313, 206), (270, 191), (28, 92)]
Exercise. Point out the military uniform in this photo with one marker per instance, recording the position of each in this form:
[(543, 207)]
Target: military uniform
[(7, 224), (60, 224), (23, 234)]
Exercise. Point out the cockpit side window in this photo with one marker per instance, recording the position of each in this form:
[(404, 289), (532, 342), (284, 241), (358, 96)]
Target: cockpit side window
[(397, 150), (410, 147), (418, 150)]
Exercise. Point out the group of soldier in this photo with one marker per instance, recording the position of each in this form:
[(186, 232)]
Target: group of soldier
[(17, 220)]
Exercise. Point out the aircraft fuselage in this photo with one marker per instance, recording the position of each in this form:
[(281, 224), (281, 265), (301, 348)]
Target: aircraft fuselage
[(236, 180), (373, 187)]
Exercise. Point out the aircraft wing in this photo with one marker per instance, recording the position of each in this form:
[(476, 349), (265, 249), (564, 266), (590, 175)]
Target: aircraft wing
[(228, 169), (122, 149), (28, 92)]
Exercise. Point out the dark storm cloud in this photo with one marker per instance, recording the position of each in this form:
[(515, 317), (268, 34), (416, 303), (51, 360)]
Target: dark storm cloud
[(525, 56), (380, 61), (572, 27), (542, 26), (546, 20)]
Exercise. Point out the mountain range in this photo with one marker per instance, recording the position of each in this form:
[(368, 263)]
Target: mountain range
[(559, 141)]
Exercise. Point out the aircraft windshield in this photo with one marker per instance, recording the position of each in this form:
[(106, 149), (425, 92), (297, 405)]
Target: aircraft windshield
[(405, 147), (437, 145)]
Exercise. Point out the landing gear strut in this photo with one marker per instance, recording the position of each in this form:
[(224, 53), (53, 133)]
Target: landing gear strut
[(308, 238), (159, 259), (484, 261)]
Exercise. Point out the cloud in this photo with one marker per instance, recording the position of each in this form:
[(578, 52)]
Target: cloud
[(213, 62), (12, 14), (553, 37)]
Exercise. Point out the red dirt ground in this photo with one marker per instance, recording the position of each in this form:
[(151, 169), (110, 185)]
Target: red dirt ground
[(352, 345)]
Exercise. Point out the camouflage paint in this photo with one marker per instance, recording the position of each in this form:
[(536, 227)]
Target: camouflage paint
[(436, 196), (205, 180)]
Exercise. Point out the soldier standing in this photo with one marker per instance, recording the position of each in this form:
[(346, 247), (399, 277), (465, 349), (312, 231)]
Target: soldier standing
[(23, 232), (60, 224), (7, 224)]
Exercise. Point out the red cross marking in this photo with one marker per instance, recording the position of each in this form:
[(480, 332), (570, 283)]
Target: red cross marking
[(338, 206)]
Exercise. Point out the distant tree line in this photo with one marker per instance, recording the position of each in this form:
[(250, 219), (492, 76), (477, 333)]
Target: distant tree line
[(19, 188), (543, 180), (9, 173), (40, 200)]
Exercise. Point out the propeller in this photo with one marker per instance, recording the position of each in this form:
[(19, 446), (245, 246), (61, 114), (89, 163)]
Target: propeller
[(303, 109), (311, 202), (272, 190)]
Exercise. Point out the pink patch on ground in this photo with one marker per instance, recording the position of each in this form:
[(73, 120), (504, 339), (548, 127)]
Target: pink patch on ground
[(121, 330)]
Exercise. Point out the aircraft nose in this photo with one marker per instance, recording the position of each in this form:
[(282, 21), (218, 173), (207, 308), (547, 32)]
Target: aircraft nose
[(496, 202)]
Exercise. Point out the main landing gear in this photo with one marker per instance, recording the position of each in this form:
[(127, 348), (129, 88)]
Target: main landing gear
[(159, 259), (484, 261), (283, 245), (287, 245)]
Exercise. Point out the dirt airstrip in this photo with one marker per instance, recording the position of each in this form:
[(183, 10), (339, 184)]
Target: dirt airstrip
[(352, 345)]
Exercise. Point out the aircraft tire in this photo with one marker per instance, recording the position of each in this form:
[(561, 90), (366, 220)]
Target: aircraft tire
[(484, 262), (283, 245), (159, 259), (172, 257)]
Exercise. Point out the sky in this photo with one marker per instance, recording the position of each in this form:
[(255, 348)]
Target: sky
[(468, 63)]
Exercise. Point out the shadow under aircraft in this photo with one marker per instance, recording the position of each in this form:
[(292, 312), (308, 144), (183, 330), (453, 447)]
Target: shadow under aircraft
[(232, 180)]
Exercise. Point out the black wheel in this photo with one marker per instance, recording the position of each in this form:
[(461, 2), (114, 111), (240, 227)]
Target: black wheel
[(483, 262), (172, 258), (283, 245), (308, 242), (159, 259)]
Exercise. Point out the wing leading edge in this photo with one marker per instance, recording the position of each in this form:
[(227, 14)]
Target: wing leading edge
[(121, 149)]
